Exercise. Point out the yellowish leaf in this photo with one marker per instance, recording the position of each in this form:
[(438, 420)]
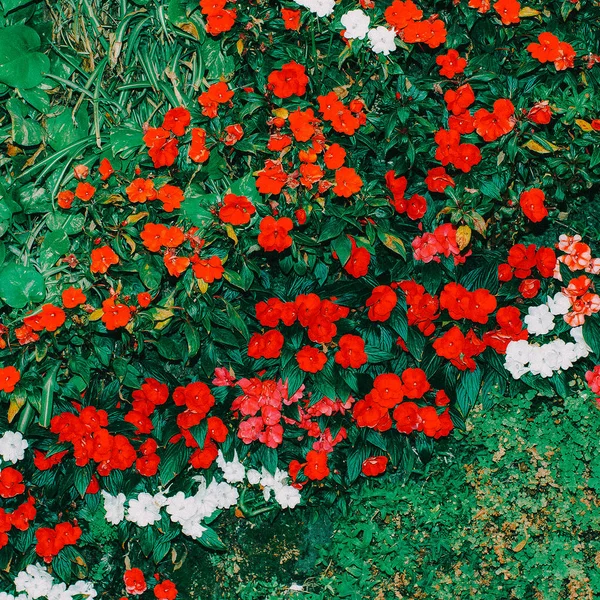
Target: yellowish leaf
[(240, 46), (189, 28), (202, 285), (130, 242), (537, 147), (584, 125), (135, 217), (282, 113), (519, 546), (162, 316), (527, 11), (394, 243), (231, 233), (463, 236), (16, 403), (96, 315)]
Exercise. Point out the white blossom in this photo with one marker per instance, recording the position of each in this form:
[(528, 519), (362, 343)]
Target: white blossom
[(114, 507), (145, 510), (539, 320), (356, 24), (234, 471), (35, 581), (560, 304), (383, 40), (13, 446), (322, 8)]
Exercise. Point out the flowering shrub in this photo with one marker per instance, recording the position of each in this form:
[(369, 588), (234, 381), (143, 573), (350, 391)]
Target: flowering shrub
[(302, 273)]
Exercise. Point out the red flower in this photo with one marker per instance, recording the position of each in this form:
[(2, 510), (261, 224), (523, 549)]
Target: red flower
[(381, 303), (316, 465), (508, 10), (415, 383), (208, 270), (115, 314), (291, 19), (529, 288), (407, 417), (102, 259), (388, 390), (540, 113), (105, 169), (236, 210), (135, 582), (84, 191), (171, 196), (290, 80), (267, 345), (176, 120), (460, 99), (274, 234), (166, 590), (9, 377), (492, 125), (49, 318), (11, 483), (452, 64), (375, 465), (72, 297), (311, 359), (547, 49), (334, 157), (532, 204), (65, 199), (347, 182), (438, 180), (272, 179), (357, 264), (351, 352)]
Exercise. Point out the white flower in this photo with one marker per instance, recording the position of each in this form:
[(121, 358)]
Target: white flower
[(83, 588), (35, 581), (383, 40), (356, 23), (59, 592), (539, 320), (539, 361), (234, 471), (287, 496), (322, 8), (253, 477), (13, 446), (226, 495), (6, 596), (518, 351), (146, 509), (114, 507), (560, 304), (516, 369), (581, 347)]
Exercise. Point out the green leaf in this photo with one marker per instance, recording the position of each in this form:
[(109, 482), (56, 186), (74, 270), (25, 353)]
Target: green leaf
[(20, 285), (21, 65), (25, 131), (48, 398), (467, 390), (82, 478), (211, 540), (64, 130)]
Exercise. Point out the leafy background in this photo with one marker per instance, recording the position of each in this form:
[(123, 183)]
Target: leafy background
[(493, 510)]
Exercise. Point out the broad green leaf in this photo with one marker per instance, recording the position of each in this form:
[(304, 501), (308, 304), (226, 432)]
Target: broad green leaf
[(21, 63), (20, 285)]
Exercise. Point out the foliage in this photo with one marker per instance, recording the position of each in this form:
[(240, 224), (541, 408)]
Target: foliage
[(509, 512), (233, 268)]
